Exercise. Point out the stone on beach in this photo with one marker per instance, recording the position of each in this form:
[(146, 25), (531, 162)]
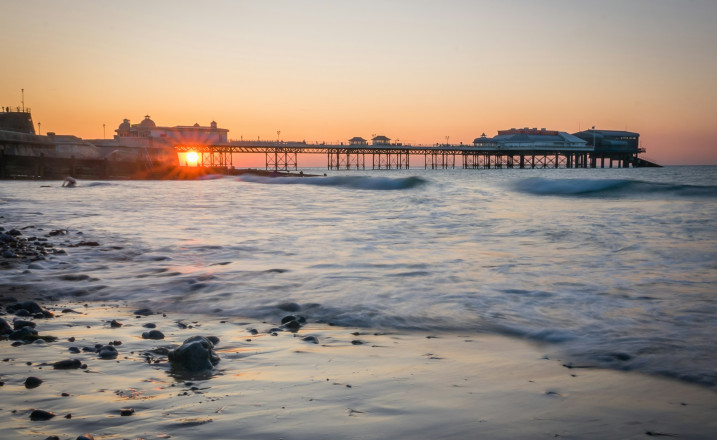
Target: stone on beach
[(195, 354), (32, 382), (40, 415), (5, 328), (68, 364), (23, 333), (29, 308), (153, 334), (107, 352), (20, 323)]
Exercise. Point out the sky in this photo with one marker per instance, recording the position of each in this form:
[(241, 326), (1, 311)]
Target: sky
[(413, 70)]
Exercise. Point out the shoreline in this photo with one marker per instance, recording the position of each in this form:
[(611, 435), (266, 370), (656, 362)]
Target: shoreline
[(342, 382), (352, 383)]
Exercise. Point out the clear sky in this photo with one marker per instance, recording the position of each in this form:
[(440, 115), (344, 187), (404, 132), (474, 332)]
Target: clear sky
[(412, 70)]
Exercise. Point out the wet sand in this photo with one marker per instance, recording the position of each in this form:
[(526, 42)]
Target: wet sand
[(353, 383)]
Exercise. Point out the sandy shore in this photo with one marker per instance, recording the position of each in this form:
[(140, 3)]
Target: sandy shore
[(353, 384)]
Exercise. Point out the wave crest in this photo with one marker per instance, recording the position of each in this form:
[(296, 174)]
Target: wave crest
[(351, 182), (610, 187)]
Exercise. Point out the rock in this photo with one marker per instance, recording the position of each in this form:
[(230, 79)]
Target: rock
[(311, 339), (8, 254), (150, 325), (14, 232), (85, 436), (39, 415), (153, 334), (69, 364), (28, 308), (115, 324), (32, 382), (213, 339), (7, 238), (5, 327), (143, 312), (292, 326), (22, 334), (126, 412), (107, 352), (195, 354), (20, 323), (52, 437)]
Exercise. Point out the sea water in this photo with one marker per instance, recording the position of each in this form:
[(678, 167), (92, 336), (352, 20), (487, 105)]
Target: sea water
[(614, 268)]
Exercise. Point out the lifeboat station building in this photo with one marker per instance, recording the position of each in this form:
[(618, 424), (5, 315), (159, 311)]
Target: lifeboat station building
[(532, 139), (614, 146)]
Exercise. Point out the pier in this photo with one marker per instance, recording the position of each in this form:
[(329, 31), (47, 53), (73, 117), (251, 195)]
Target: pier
[(284, 156)]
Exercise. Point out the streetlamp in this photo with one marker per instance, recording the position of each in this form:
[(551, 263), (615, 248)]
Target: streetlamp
[(447, 137), (104, 135), (39, 128), (278, 133)]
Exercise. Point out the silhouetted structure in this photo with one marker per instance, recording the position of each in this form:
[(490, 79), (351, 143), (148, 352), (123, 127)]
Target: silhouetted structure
[(615, 146)]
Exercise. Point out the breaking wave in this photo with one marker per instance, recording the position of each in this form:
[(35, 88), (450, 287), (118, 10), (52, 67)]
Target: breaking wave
[(352, 182), (610, 188)]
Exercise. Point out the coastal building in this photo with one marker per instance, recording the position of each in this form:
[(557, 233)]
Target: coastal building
[(380, 140), (611, 140), (357, 141), (181, 134), (532, 139), (612, 146)]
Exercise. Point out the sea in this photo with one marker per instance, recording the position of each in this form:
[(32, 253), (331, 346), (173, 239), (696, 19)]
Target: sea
[(612, 268)]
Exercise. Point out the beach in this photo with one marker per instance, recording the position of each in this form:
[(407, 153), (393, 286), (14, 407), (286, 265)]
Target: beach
[(348, 383), (503, 305)]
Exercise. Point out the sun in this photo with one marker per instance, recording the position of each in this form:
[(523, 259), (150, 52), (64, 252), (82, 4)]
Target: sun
[(192, 158)]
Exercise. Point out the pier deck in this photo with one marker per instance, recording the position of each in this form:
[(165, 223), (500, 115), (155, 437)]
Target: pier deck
[(284, 156)]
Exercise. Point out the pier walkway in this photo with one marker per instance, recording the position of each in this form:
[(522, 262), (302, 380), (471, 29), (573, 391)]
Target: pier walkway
[(284, 156)]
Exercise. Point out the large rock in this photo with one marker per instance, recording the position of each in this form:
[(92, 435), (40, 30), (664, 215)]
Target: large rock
[(195, 354)]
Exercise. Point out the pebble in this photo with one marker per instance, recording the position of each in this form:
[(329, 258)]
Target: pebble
[(195, 354), (107, 352), (68, 364), (144, 312), (126, 411), (5, 327), (32, 382), (292, 326), (85, 437), (20, 323), (23, 333), (153, 334), (150, 325), (39, 415), (115, 324), (311, 339)]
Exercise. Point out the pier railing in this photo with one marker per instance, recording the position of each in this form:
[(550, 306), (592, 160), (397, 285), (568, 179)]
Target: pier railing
[(281, 155)]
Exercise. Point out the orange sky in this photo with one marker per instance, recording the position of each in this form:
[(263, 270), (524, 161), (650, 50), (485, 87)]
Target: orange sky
[(416, 71)]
